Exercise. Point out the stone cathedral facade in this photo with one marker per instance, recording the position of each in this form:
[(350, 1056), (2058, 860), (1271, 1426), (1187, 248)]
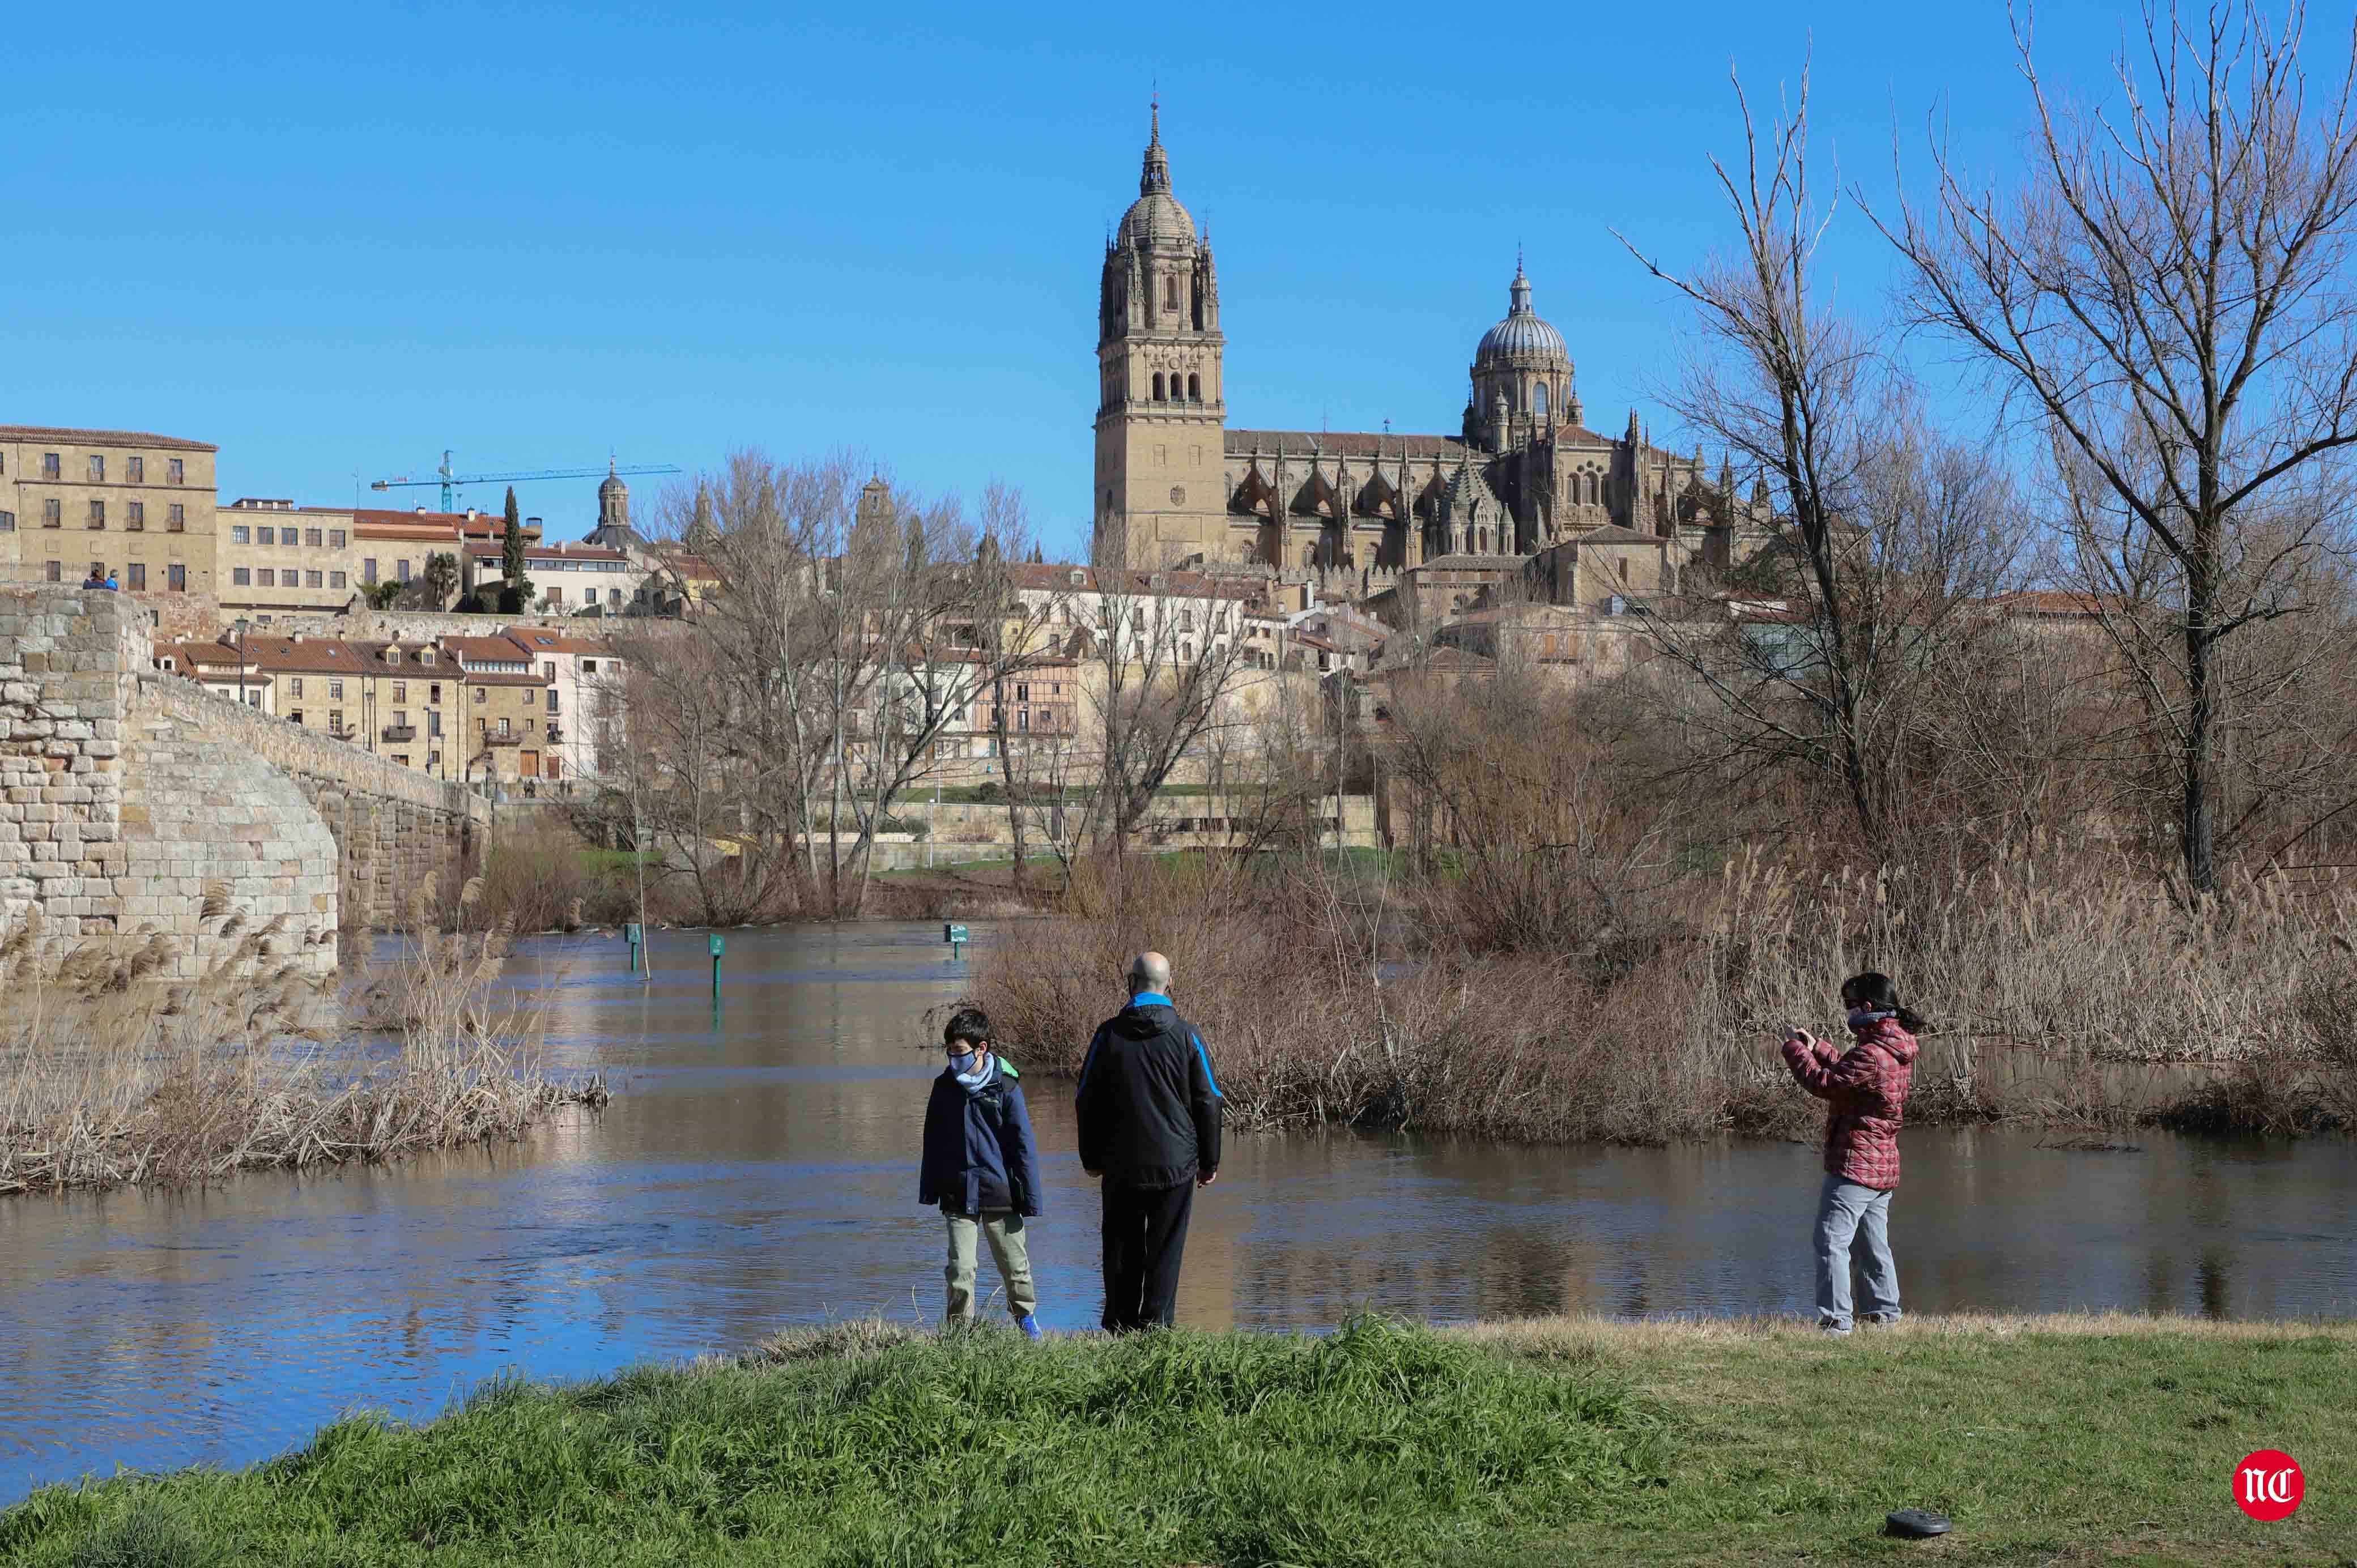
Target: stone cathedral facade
[(1522, 473)]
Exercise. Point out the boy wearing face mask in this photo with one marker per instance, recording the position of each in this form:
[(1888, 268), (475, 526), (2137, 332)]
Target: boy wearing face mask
[(981, 1166)]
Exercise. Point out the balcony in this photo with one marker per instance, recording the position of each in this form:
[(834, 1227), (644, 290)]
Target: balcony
[(556, 733), (401, 734), (500, 739)]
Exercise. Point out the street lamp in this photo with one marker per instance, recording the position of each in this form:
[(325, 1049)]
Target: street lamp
[(241, 660)]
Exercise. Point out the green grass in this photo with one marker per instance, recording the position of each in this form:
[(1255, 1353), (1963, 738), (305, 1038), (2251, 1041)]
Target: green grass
[(2049, 1441), (2061, 1440)]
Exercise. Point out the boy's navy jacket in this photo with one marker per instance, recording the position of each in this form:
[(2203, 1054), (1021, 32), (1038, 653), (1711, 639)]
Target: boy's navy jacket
[(978, 1148), (1149, 1108)]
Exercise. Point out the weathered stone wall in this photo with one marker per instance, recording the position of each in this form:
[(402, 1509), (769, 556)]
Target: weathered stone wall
[(396, 829), (127, 797), (420, 625), (202, 814), (65, 688)]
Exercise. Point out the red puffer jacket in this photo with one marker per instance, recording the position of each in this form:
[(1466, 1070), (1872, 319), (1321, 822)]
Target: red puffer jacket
[(1865, 1094)]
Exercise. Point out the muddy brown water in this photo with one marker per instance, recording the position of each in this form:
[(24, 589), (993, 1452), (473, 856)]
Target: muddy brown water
[(756, 1168)]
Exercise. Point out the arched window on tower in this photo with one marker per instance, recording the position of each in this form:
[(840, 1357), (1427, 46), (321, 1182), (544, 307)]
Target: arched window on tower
[(1170, 291), (1592, 492), (1539, 401), (1194, 389), (1157, 386)]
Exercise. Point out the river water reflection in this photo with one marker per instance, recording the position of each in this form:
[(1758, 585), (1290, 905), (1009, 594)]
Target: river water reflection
[(758, 1169)]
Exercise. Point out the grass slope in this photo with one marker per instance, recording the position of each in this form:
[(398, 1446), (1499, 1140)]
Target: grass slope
[(2057, 1439)]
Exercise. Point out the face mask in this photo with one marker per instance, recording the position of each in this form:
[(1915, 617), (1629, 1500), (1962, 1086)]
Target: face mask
[(962, 1062)]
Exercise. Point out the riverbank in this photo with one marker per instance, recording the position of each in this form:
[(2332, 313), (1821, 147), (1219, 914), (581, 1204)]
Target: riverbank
[(2061, 1439)]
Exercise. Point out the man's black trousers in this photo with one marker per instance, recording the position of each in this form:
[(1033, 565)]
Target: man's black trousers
[(1144, 1236)]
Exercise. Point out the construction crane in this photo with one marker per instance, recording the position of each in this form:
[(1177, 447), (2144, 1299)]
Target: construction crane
[(451, 481)]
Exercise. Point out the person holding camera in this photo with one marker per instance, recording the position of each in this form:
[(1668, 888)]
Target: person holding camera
[(1865, 1090)]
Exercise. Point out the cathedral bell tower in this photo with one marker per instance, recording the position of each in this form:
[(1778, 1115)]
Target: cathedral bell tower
[(1161, 408)]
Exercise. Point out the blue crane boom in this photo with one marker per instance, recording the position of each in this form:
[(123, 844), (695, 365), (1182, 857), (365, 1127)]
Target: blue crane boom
[(450, 481)]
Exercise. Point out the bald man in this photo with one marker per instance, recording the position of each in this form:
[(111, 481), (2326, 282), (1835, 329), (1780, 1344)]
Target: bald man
[(1149, 1115)]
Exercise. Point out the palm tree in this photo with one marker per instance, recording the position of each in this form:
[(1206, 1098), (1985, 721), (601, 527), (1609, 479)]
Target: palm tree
[(442, 577)]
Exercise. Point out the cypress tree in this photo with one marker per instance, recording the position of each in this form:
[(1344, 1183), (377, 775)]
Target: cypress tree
[(512, 559)]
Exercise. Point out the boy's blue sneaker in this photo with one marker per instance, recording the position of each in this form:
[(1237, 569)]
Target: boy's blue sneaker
[(1030, 1326)]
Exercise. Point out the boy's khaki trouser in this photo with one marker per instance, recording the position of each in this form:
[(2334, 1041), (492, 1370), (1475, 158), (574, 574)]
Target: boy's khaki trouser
[(1007, 1249)]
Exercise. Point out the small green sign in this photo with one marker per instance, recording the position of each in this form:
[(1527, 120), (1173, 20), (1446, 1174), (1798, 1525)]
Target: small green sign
[(630, 933), (717, 946), (953, 934)]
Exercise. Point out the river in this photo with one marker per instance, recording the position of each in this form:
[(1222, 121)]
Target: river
[(756, 1168)]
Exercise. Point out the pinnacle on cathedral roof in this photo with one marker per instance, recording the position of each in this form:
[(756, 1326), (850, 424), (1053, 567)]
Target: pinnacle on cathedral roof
[(1156, 217), (1157, 174)]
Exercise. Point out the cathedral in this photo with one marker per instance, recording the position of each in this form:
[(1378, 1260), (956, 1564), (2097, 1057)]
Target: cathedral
[(1523, 473)]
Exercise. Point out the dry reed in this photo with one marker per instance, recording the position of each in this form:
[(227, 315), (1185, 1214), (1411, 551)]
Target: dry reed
[(114, 1069), (2037, 981)]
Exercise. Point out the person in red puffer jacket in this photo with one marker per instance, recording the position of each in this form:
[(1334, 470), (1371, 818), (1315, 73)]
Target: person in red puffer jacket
[(1865, 1088)]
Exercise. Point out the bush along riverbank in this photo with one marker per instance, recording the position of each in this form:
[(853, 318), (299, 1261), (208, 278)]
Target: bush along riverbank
[(113, 1074), (2052, 1440), (1502, 1000)]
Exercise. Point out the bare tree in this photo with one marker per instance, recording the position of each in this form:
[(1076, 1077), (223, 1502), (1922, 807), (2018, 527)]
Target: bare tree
[(941, 631), (1168, 647), (1880, 531), (744, 697), (2169, 290), (1013, 626), (851, 633)]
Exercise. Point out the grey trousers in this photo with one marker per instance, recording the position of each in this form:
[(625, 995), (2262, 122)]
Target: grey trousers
[(1008, 1250), (1853, 1217)]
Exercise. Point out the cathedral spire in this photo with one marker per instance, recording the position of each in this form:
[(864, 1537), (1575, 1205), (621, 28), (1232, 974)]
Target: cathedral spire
[(1157, 174)]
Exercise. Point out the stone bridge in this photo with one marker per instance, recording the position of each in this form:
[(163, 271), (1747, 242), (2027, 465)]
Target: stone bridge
[(126, 795)]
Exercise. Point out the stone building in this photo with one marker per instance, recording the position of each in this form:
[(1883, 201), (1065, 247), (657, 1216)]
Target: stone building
[(276, 558), (141, 507), (1349, 510), (397, 700), (504, 723), (587, 683)]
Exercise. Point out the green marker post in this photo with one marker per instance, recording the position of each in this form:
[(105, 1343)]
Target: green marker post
[(955, 937), (718, 947), (631, 934)]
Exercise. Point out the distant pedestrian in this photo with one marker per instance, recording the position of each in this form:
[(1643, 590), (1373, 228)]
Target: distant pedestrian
[(112, 585), (95, 581), (982, 1167), (1865, 1088), (1149, 1125)]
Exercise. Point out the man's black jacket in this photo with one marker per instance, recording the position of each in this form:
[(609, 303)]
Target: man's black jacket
[(1149, 1108)]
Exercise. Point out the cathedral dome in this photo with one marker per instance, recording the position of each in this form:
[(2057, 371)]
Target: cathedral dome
[(1156, 217), (1522, 332), (613, 485)]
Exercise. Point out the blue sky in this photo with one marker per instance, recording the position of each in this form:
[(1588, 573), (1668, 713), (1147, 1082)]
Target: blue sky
[(336, 240)]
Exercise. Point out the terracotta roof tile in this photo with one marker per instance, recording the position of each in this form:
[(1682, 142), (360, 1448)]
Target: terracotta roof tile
[(68, 437)]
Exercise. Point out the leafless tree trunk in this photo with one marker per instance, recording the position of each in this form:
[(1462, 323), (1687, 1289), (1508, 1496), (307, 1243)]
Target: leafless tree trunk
[(1878, 531), (1170, 645), (2169, 290)]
